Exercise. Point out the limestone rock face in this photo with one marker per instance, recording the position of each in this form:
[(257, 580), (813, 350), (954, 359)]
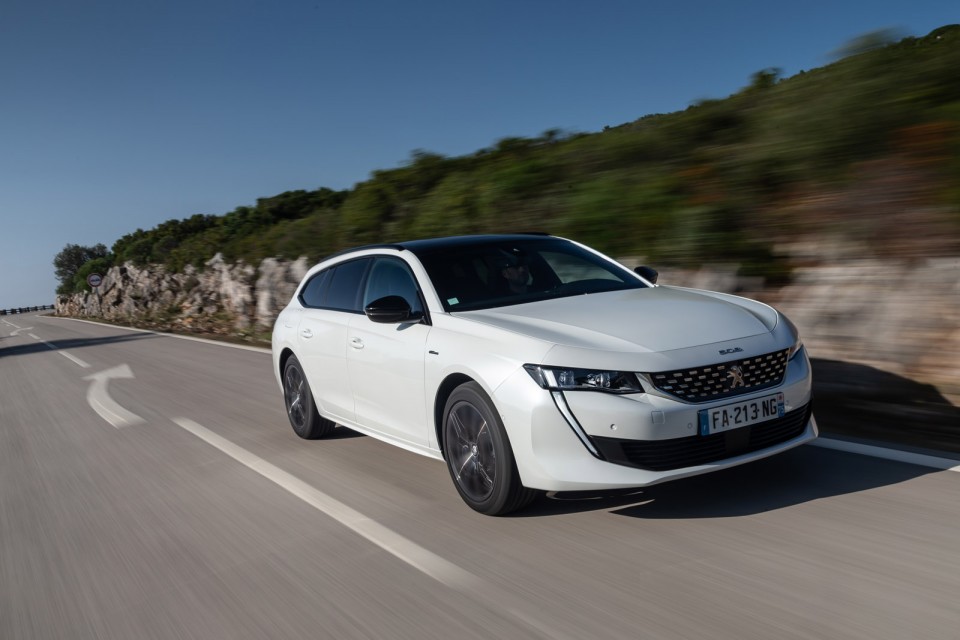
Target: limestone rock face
[(222, 298), (901, 318), (275, 285)]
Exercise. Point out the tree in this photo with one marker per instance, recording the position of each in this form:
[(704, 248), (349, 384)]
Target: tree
[(765, 78), (97, 265), (867, 42), (68, 262)]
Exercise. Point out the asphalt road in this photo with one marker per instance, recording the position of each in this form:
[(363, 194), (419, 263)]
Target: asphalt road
[(150, 487)]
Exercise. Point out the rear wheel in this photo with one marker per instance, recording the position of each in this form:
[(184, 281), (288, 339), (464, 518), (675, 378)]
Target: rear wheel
[(478, 454), (301, 409)]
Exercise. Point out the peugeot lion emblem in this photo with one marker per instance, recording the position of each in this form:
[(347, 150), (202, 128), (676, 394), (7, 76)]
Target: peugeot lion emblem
[(735, 376)]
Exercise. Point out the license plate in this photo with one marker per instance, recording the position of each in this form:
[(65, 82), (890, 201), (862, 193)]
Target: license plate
[(741, 414)]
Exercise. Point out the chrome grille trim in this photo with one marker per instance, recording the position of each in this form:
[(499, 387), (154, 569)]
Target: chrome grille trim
[(714, 381)]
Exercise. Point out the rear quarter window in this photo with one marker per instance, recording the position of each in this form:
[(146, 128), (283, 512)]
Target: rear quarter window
[(338, 287), (315, 290), (344, 290)]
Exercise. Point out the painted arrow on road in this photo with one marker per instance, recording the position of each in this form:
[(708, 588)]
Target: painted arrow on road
[(105, 406)]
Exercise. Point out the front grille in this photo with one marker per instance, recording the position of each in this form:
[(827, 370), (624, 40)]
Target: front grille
[(723, 380), (677, 453)]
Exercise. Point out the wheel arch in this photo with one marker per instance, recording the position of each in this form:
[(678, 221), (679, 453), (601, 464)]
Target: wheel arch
[(282, 360), (446, 387)]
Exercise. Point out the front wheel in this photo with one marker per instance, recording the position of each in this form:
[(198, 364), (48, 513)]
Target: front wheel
[(301, 409), (478, 454)]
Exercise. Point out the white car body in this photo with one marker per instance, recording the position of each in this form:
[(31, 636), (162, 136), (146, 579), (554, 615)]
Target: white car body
[(391, 380)]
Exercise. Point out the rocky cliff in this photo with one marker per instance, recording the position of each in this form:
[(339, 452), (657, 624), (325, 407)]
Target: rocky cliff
[(884, 338), (223, 298)]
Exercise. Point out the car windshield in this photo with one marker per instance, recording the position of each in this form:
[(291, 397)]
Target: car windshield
[(500, 272)]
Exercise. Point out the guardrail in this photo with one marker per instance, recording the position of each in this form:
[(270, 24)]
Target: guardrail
[(16, 310)]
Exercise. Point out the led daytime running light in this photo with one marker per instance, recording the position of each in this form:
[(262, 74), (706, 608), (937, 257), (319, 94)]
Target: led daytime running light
[(576, 379)]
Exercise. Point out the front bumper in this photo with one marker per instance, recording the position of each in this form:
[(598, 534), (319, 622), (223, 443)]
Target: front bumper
[(591, 440)]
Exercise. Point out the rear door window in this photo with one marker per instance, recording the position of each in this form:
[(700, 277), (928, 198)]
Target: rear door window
[(392, 277)]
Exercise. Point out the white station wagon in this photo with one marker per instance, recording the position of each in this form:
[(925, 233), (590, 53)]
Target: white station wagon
[(533, 363)]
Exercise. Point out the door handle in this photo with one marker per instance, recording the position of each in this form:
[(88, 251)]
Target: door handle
[(306, 333), (356, 343)]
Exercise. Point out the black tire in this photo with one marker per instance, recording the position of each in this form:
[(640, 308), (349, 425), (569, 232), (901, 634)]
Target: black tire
[(301, 409), (478, 454)]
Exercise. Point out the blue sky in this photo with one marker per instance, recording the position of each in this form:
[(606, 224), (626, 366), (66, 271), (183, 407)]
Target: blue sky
[(122, 114)]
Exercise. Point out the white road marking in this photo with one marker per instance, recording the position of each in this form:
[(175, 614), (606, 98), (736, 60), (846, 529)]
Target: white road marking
[(393, 543), (74, 359), (105, 406), (19, 329), (935, 462), (425, 561), (11, 324), (219, 343), (66, 355)]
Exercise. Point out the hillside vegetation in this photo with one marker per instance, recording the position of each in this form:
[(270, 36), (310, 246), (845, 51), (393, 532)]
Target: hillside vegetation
[(865, 151)]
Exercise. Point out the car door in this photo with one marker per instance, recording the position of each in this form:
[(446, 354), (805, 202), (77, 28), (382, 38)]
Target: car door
[(386, 361), (331, 300)]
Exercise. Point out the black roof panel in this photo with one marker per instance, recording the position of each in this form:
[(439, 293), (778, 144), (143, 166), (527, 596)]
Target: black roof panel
[(429, 244)]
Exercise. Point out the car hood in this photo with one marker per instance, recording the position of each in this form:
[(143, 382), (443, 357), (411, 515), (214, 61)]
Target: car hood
[(637, 320)]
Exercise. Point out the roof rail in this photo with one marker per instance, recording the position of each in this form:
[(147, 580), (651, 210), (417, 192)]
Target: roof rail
[(398, 247)]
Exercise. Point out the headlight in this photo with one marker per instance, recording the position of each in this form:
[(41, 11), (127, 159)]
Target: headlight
[(569, 379), (795, 349)]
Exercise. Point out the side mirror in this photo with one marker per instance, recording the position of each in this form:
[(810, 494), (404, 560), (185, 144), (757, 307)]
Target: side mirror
[(391, 310), (647, 273)]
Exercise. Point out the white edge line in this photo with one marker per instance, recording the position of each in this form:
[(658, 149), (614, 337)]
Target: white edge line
[(409, 552), (935, 462), (220, 343)]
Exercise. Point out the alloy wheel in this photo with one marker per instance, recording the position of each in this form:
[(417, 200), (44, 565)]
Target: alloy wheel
[(473, 456)]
